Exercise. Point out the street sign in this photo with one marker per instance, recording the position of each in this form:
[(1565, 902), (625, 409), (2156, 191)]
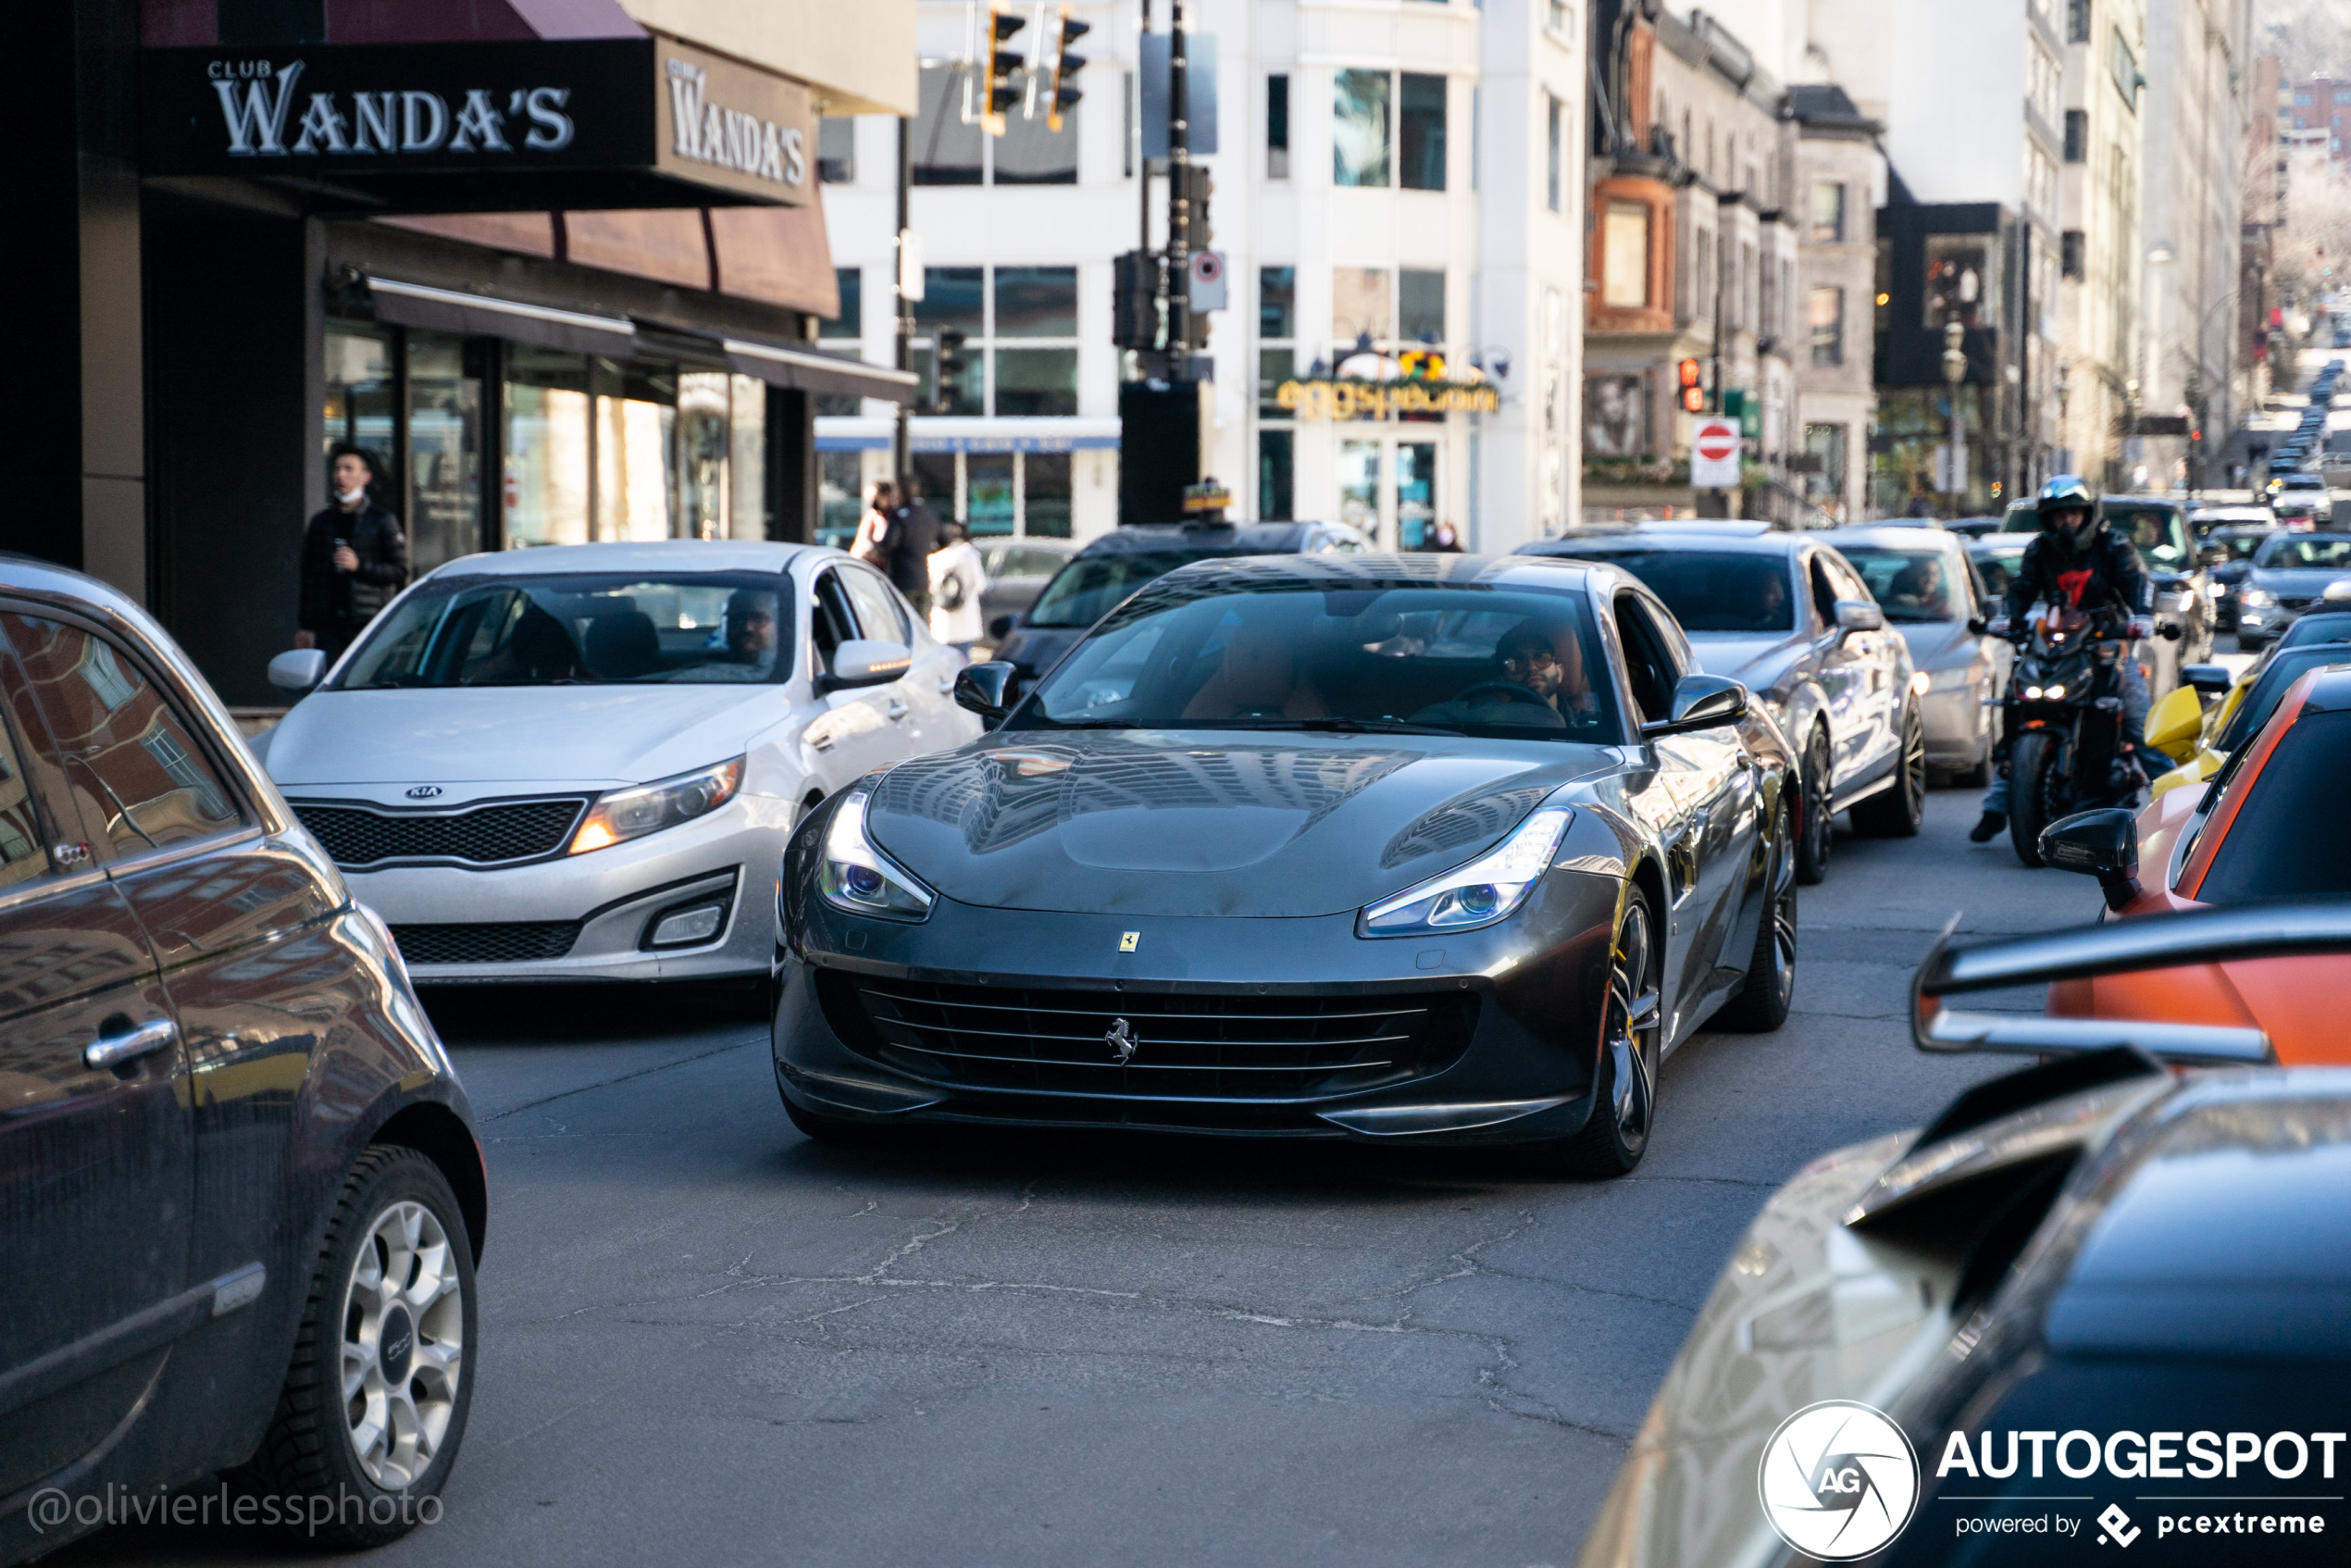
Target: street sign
[(1208, 280), (1714, 454)]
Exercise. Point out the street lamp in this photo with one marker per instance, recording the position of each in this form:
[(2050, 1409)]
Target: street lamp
[(1954, 372)]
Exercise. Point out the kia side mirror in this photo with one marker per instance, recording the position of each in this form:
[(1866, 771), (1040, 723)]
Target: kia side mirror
[(865, 662), (2102, 843), (1859, 615), (298, 670), (1701, 701), (986, 690)]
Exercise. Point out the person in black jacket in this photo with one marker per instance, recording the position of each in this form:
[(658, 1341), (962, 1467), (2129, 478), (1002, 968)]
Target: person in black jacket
[(2079, 562), (354, 558), (914, 536)]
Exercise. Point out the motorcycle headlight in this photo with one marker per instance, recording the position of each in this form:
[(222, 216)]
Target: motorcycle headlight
[(649, 808), (2056, 694), (2256, 596), (1486, 890), (859, 877)]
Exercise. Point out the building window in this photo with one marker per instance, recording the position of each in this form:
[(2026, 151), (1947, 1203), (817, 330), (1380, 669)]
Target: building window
[(1277, 128), (1743, 289), (2124, 66), (1358, 129), (2077, 136), (837, 150), (1031, 151), (1702, 278), (2077, 21), (1420, 305), (1551, 153), (1824, 468), (2073, 254), (1362, 307), (1420, 132), (1828, 212), (1019, 326), (1828, 326), (1274, 465), (1277, 301), (1959, 280), (1275, 366), (1558, 18), (850, 322), (1045, 494), (1625, 254), (946, 151)]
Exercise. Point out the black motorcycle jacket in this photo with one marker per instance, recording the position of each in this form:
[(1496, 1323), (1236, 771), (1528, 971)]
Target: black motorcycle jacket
[(2104, 574)]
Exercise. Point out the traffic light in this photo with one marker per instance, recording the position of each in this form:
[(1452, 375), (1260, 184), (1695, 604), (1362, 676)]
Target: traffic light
[(1693, 395), (1002, 64), (1134, 305), (1196, 186), (948, 367), (1061, 92)]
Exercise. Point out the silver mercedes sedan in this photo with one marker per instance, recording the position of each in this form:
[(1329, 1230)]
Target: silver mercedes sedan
[(583, 763), (1922, 583)]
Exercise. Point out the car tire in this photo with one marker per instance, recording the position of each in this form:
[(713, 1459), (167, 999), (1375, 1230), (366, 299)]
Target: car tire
[(397, 1235), (818, 1127), (1625, 1084), (1761, 1004), (1814, 822), (2029, 766), (1896, 813)]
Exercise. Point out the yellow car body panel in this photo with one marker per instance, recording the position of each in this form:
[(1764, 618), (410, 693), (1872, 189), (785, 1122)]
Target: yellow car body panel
[(2189, 742)]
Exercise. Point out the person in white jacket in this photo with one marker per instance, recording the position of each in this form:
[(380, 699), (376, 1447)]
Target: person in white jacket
[(957, 579)]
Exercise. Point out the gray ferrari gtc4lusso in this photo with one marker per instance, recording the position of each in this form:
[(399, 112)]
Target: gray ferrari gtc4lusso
[(1429, 850)]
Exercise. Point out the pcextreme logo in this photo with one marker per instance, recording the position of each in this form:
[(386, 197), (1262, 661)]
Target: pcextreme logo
[(1838, 1480)]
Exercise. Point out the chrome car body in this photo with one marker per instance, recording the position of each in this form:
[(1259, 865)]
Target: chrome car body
[(453, 809), (202, 1036), (1152, 927), (1958, 670)]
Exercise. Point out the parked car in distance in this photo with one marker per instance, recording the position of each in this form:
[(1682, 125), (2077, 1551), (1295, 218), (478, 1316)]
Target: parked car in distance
[(235, 1167), (2292, 574), (1114, 565), (581, 762), (2202, 520), (2098, 1234), (1787, 617), (1017, 571), (1928, 592), (2302, 494), (1420, 849)]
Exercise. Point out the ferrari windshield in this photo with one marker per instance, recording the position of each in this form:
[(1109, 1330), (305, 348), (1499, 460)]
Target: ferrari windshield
[(1207, 653), (578, 629), (1910, 585), (2287, 838)]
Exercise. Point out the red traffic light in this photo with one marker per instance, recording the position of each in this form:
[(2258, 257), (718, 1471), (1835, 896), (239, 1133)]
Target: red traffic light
[(1689, 371), (1694, 399)]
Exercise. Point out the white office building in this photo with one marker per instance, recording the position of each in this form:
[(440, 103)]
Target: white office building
[(1405, 171)]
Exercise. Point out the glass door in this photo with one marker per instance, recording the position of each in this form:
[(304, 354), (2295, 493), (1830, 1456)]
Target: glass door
[(1359, 487), (701, 453), (1415, 470)]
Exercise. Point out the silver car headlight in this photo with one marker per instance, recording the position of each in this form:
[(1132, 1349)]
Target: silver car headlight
[(649, 808), (859, 877), (1486, 890), (2256, 596)]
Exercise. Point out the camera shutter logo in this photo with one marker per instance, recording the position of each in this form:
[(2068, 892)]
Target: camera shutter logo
[(1838, 1480)]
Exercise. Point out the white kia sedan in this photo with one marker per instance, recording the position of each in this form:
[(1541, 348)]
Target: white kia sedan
[(583, 763)]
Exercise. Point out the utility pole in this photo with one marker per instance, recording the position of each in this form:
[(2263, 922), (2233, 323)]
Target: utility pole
[(1179, 207), (901, 460), (1143, 164)]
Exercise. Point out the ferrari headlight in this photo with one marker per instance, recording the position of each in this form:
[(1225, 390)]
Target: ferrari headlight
[(649, 808), (1486, 890), (859, 877)]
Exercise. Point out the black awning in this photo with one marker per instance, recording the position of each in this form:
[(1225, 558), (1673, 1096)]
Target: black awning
[(819, 372), (477, 315)]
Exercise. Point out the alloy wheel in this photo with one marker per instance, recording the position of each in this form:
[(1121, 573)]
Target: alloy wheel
[(1782, 914), (403, 1330), (1633, 1024)]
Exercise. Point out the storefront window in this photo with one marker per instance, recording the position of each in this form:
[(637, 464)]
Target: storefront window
[(1415, 493), (1046, 494), (444, 452), (546, 447), (988, 492), (635, 451), (1824, 466), (840, 497), (746, 461), (702, 429), (1037, 381), (1359, 485), (360, 389), (1274, 449)]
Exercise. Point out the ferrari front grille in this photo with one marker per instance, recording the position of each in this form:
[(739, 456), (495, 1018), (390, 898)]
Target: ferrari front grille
[(1231, 1046)]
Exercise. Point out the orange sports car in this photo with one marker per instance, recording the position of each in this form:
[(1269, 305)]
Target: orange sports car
[(2271, 824)]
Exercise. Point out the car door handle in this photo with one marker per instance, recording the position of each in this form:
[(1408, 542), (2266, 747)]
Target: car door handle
[(897, 707), (113, 1051), (947, 684), (821, 742)]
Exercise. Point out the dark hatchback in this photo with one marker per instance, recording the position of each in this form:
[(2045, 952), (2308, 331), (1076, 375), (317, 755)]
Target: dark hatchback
[(1114, 565), (237, 1173)]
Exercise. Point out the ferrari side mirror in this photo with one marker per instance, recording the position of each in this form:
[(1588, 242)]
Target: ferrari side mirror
[(986, 690), (2104, 843)]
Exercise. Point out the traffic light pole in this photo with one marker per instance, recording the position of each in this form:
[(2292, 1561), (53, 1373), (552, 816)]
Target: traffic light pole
[(901, 460), (1179, 207)]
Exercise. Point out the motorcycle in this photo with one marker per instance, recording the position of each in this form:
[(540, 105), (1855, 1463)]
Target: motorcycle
[(2063, 715)]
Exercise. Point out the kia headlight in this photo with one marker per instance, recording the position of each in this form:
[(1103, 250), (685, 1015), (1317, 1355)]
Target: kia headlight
[(1486, 890), (859, 877), (649, 808), (2256, 596)]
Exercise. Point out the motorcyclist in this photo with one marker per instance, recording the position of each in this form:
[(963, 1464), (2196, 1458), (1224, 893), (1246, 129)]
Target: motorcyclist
[(2076, 560)]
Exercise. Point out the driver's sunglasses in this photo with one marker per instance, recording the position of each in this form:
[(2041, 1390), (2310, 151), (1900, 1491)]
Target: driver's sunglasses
[(1531, 657)]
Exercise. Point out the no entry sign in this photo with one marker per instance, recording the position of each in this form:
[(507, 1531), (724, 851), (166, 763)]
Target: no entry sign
[(1714, 454)]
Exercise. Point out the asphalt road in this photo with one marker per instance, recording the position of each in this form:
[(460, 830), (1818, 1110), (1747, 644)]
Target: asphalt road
[(705, 1339)]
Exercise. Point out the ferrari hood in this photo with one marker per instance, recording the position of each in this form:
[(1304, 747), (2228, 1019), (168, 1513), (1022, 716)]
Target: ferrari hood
[(1169, 824), (585, 735)]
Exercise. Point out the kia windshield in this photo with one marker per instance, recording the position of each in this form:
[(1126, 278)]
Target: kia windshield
[(578, 630), (1206, 653)]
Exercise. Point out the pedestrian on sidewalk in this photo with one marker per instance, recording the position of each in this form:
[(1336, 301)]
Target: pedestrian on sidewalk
[(958, 577), (354, 557), (873, 526), (906, 549)]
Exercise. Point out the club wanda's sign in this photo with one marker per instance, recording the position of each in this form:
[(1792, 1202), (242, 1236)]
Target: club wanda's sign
[(641, 108)]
